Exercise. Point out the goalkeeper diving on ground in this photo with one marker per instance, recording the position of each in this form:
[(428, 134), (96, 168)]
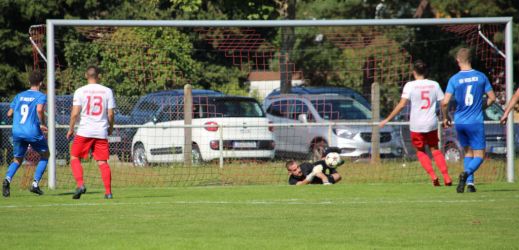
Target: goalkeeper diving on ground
[(320, 172)]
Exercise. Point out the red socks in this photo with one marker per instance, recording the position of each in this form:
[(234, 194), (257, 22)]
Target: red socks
[(442, 165), (107, 177), (426, 163), (77, 171)]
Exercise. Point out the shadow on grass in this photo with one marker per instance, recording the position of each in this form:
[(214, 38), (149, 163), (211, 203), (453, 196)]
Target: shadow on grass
[(71, 193)]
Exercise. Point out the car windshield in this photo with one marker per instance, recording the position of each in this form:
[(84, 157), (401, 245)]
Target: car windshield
[(228, 108), (341, 110), (493, 113)]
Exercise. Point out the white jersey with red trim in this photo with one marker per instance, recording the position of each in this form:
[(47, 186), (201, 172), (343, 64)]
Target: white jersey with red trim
[(423, 95), (95, 100)]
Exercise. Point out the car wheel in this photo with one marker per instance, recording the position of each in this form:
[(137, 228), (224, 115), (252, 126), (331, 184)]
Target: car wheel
[(139, 156), (452, 153), (316, 150), (196, 155)]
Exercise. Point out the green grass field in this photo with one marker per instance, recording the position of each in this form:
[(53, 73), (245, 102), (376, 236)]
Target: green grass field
[(342, 216)]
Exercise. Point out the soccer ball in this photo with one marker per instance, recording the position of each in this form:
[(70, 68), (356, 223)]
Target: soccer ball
[(332, 159)]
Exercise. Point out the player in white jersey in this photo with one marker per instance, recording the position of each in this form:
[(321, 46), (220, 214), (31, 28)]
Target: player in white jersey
[(93, 104), (423, 95)]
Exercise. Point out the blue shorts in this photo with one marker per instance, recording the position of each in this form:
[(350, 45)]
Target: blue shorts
[(21, 145), (472, 135)]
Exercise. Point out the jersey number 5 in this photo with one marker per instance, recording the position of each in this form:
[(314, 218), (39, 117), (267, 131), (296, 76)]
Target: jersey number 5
[(425, 97), (94, 107)]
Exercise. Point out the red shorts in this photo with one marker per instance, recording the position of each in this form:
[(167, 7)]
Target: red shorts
[(419, 140), (82, 146)]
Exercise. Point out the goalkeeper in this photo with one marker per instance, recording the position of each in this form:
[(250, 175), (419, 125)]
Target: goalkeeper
[(313, 173)]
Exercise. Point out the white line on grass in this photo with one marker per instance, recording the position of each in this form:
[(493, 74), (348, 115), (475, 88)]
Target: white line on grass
[(255, 202)]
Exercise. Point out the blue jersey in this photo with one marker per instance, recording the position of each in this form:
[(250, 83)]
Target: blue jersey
[(26, 124), (468, 88)]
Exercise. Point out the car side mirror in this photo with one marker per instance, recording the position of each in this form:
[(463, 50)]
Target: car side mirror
[(302, 118)]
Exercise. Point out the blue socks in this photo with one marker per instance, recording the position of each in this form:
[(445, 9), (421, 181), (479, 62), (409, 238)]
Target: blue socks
[(40, 169), (472, 167), (11, 171), (466, 163)]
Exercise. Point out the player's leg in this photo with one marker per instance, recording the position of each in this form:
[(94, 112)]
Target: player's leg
[(418, 141), (334, 176), (19, 150), (101, 154), (439, 158), (43, 150), (80, 148), (478, 144), (462, 131)]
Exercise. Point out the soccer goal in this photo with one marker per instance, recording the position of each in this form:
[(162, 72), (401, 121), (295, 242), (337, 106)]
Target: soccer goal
[(229, 102)]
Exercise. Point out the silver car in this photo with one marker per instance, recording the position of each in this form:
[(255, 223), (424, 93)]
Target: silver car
[(353, 140)]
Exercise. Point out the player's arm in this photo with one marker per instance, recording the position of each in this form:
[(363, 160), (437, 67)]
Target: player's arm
[(10, 112), (111, 115), (510, 106), (445, 110), (401, 105), (491, 98), (40, 111), (76, 110)]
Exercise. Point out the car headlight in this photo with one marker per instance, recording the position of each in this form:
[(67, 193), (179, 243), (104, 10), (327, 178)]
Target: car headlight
[(344, 133)]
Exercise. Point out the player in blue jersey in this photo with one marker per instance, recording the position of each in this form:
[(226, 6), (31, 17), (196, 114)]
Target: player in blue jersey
[(468, 87), (28, 128)]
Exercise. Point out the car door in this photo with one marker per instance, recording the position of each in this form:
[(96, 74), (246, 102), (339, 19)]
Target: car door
[(166, 145), (275, 114), (301, 135)]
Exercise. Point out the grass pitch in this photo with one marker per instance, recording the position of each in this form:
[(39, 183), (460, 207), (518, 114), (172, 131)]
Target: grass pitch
[(342, 216)]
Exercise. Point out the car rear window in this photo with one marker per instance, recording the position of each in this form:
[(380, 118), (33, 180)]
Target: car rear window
[(227, 108), (341, 110)]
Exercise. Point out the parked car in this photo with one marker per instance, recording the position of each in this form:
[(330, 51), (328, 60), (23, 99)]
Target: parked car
[(142, 112), (309, 141), (344, 91), (163, 143), (495, 135)]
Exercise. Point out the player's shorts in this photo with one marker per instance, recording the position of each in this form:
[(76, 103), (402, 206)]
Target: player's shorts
[(318, 180), (83, 145), (20, 146), (472, 135), (420, 140)]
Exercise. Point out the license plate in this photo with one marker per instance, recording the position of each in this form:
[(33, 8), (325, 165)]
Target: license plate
[(114, 139), (498, 150), (242, 144), (385, 150)]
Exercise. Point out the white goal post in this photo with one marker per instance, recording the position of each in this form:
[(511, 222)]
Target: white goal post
[(52, 23)]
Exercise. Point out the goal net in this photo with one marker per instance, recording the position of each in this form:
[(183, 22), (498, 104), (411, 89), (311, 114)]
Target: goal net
[(265, 95)]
